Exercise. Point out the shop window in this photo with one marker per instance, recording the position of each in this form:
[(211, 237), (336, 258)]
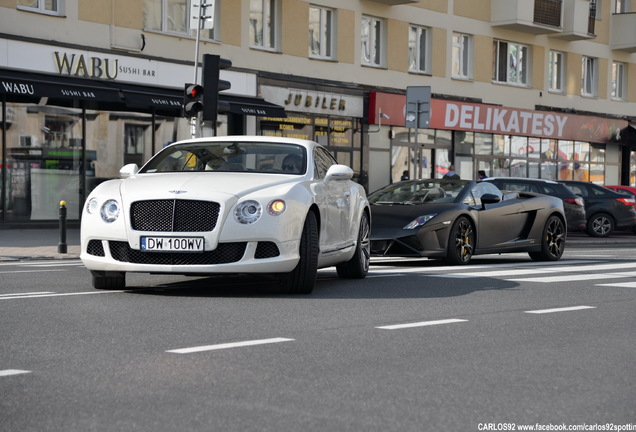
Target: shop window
[(483, 144), (461, 56), (510, 63), (501, 145), (134, 143), (321, 29), (419, 49), (50, 7), (372, 39), (173, 17), (263, 24), (464, 142), (556, 71), (58, 132)]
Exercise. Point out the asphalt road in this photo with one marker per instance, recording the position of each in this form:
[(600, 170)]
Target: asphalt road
[(417, 346)]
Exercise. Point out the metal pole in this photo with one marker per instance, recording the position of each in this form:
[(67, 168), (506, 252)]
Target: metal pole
[(416, 163), (62, 247), (194, 123)]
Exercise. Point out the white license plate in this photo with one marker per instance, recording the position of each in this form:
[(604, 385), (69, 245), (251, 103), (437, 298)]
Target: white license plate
[(172, 244)]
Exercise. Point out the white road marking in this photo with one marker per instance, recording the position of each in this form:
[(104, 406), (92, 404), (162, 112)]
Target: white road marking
[(41, 263), (10, 372), (421, 324), (26, 294), (21, 296), (228, 345), (519, 272), (575, 277), (619, 284), (29, 271), (563, 309), (376, 269)]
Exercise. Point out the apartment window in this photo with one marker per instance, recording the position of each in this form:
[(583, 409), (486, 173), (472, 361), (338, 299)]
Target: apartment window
[(596, 6), (173, 17), (263, 23), (462, 56), (618, 81), (372, 34), (511, 63), (621, 6), (556, 71), (321, 28), (588, 81), (51, 7), (419, 49)]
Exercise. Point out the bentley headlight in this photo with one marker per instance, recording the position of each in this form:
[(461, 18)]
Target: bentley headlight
[(419, 221), (92, 206), (248, 212), (110, 211), (276, 207)]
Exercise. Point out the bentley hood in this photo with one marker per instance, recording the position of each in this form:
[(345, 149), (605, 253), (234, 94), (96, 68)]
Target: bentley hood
[(207, 185)]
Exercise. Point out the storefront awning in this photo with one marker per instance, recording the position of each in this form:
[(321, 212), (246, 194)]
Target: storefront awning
[(253, 106), (24, 86)]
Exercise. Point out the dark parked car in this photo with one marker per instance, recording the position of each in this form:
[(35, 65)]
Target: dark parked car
[(456, 219), (572, 204), (606, 210)]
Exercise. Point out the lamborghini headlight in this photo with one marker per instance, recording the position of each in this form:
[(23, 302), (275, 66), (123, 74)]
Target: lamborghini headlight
[(419, 221)]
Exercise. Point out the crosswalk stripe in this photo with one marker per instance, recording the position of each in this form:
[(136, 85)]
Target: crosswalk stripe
[(619, 285), (520, 272), (575, 277)]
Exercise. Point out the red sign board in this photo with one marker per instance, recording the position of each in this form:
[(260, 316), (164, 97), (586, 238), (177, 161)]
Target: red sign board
[(453, 115)]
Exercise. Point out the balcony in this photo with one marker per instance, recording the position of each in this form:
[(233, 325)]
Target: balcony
[(578, 20), (530, 16), (396, 2), (623, 32)]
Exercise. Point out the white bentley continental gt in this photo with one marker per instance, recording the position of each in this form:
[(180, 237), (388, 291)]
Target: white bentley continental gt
[(229, 205)]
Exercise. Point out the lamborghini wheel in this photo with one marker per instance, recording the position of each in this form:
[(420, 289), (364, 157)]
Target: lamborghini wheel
[(461, 242)]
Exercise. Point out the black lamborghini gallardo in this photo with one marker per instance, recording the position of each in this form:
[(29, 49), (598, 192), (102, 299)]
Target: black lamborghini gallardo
[(456, 219)]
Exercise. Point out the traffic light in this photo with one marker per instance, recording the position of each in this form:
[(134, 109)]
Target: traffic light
[(192, 100), (212, 65)]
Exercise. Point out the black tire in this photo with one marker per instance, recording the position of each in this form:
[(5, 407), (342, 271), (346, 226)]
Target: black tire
[(600, 225), (552, 241), (461, 242), (109, 281), (358, 266), (302, 279)]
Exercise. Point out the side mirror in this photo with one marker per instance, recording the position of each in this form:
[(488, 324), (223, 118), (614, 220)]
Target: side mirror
[(339, 172), (488, 198), (128, 170)]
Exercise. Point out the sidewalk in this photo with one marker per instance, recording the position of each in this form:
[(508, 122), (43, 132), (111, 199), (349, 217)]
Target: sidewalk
[(42, 243), (36, 243)]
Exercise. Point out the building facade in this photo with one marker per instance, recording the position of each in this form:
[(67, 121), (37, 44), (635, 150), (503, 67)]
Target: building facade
[(530, 88)]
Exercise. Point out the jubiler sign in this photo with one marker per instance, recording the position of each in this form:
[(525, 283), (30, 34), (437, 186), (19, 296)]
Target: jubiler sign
[(513, 121)]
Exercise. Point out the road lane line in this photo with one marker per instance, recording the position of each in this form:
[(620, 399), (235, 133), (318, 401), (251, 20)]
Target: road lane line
[(10, 372), (563, 309), (26, 294), (31, 271), (228, 345), (58, 294), (421, 324)]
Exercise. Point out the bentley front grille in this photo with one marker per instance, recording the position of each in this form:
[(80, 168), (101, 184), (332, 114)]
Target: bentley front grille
[(223, 254), (173, 215)]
